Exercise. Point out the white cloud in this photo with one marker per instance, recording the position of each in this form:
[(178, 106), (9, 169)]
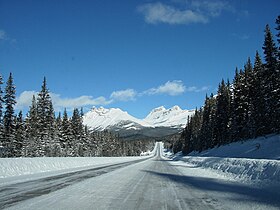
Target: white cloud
[(241, 36), (3, 35), (171, 88), (193, 11), (196, 89), (81, 101), (160, 13), (124, 95), (211, 7), (59, 103), (24, 99)]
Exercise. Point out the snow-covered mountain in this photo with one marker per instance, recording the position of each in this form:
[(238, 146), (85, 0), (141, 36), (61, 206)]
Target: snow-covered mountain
[(173, 117), (159, 122), (101, 119)]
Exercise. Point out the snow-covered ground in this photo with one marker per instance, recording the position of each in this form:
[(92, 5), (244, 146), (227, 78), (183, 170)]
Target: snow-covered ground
[(151, 184), (14, 170), (254, 161), (187, 183)]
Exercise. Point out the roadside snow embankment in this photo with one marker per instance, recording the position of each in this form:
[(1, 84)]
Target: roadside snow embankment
[(255, 161), (10, 167), (254, 170)]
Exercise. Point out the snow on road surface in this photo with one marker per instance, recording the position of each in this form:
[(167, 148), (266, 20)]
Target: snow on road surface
[(155, 183)]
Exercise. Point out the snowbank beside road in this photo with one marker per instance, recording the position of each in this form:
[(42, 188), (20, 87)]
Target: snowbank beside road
[(255, 161), (254, 170), (10, 167), (260, 148)]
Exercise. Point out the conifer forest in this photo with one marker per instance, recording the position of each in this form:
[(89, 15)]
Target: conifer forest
[(246, 108), (41, 133)]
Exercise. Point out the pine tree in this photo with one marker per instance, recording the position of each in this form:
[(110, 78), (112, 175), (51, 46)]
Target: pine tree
[(9, 118), (270, 50), (19, 135), (1, 112), (247, 98), (77, 131), (257, 107), (1, 100), (271, 82), (58, 135), (278, 36), (32, 143), (238, 110), (66, 141), (222, 115), (45, 118)]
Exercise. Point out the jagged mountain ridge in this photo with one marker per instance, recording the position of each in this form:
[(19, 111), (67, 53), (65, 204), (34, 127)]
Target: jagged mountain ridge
[(159, 122)]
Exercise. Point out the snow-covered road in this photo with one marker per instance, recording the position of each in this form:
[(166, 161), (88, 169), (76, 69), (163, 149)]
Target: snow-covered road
[(155, 183)]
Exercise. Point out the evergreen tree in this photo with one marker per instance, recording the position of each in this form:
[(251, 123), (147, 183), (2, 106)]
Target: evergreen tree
[(247, 98), (77, 131), (205, 136), (45, 118), (278, 36), (19, 135), (1, 112), (31, 143), (271, 80), (257, 107), (9, 118), (222, 116), (66, 141), (270, 50), (237, 113), (1, 100)]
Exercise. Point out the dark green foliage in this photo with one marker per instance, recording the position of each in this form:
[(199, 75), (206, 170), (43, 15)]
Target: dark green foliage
[(278, 36), (222, 115), (1, 112), (19, 135), (247, 108), (9, 117)]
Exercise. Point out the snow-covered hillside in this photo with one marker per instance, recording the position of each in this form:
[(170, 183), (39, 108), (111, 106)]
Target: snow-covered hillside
[(173, 117), (114, 118)]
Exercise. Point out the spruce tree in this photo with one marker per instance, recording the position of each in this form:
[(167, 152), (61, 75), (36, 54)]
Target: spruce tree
[(222, 115), (258, 119), (1, 100), (270, 50), (77, 131), (278, 35), (1, 112), (66, 141), (31, 143), (9, 118), (271, 82), (45, 118), (19, 135)]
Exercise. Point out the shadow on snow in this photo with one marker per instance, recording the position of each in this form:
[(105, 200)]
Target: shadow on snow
[(243, 193)]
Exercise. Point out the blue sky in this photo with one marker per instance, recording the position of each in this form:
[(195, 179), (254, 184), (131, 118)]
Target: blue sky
[(135, 55)]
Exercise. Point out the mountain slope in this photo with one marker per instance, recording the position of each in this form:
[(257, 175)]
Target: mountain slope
[(101, 119), (159, 122), (173, 117)]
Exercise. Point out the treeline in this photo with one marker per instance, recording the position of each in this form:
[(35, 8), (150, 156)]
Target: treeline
[(246, 108), (41, 133)]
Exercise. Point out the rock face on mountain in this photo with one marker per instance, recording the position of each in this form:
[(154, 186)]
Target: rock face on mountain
[(159, 122)]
